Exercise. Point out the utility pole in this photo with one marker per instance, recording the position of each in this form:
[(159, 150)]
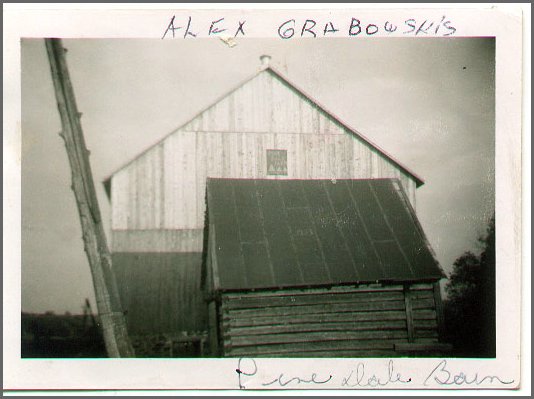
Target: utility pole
[(95, 245)]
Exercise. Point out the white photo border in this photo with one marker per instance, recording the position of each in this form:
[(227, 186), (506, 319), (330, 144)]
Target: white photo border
[(177, 374)]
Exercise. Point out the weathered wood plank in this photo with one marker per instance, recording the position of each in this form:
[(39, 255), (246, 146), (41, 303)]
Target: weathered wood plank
[(323, 308), (313, 291), (308, 347), (417, 295), (119, 193), (439, 308), (356, 302), (421, 286), (140, 209), (409, 315), (421, 333), (260, 320), (299, 300), (424, 314), (426, 340), (265, 109), (302, 294), (311, 327), (314, 337), (317, 354), (200, 175), (168, 189), (132, 198), (190, 200), (422, 347), (425, 324), (423, 304)]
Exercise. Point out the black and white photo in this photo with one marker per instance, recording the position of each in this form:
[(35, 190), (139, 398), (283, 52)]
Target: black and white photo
[(224, 195)]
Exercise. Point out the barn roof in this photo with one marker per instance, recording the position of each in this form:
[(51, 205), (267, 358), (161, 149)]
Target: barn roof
[(289, 233), (269, 69)]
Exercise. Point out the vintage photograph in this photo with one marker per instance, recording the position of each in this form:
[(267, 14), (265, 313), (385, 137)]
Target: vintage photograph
[(258, 198)]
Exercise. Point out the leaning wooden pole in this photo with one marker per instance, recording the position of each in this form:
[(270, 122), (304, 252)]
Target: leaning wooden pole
[(106, 291)]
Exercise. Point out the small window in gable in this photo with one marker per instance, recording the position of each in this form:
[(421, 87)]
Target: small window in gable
[(277, 162)]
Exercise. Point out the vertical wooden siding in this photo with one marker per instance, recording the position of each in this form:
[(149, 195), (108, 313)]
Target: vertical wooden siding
[(161, 292), (164, 188), (355, 322), (147, 197)]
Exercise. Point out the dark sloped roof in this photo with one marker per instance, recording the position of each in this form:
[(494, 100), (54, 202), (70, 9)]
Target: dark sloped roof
[(288, 233)]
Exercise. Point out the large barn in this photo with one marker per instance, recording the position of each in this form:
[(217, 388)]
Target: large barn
[(264, 129)]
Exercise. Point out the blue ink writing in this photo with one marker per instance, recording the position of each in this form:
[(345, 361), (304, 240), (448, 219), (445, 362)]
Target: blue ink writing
[(297, 380), (251, 371), (313, 28), (442, 376), (215, 28), (359, 378)]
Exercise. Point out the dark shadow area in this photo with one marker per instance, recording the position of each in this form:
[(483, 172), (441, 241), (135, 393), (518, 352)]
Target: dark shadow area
[(470, 307), (61, 336)]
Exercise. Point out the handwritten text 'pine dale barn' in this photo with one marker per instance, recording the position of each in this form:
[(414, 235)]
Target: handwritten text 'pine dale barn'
[(292, 28)]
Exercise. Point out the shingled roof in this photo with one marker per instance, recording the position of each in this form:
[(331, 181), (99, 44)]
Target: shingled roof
[(290, 233)]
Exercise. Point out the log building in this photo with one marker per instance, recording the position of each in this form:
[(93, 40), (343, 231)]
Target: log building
[(318, 268)]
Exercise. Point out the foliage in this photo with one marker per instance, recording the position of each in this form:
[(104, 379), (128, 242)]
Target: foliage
[(470, 305), (60, 336)]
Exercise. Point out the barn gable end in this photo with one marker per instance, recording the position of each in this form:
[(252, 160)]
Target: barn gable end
[(163, 188), (267, 103)]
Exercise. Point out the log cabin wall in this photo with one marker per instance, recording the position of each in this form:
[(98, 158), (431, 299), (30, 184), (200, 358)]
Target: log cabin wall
[(336, 322), (164, 188)]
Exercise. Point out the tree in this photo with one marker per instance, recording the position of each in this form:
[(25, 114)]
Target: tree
[(488, 292), (470, 305)]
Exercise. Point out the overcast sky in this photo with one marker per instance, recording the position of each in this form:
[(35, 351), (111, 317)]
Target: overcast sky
[(428, 102)]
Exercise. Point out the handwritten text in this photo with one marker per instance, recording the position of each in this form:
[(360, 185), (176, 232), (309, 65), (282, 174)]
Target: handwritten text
[(311, 28)]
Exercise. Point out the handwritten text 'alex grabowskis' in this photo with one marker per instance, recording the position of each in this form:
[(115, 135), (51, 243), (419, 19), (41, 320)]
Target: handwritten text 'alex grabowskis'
[(293, 28), (359, 376)]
